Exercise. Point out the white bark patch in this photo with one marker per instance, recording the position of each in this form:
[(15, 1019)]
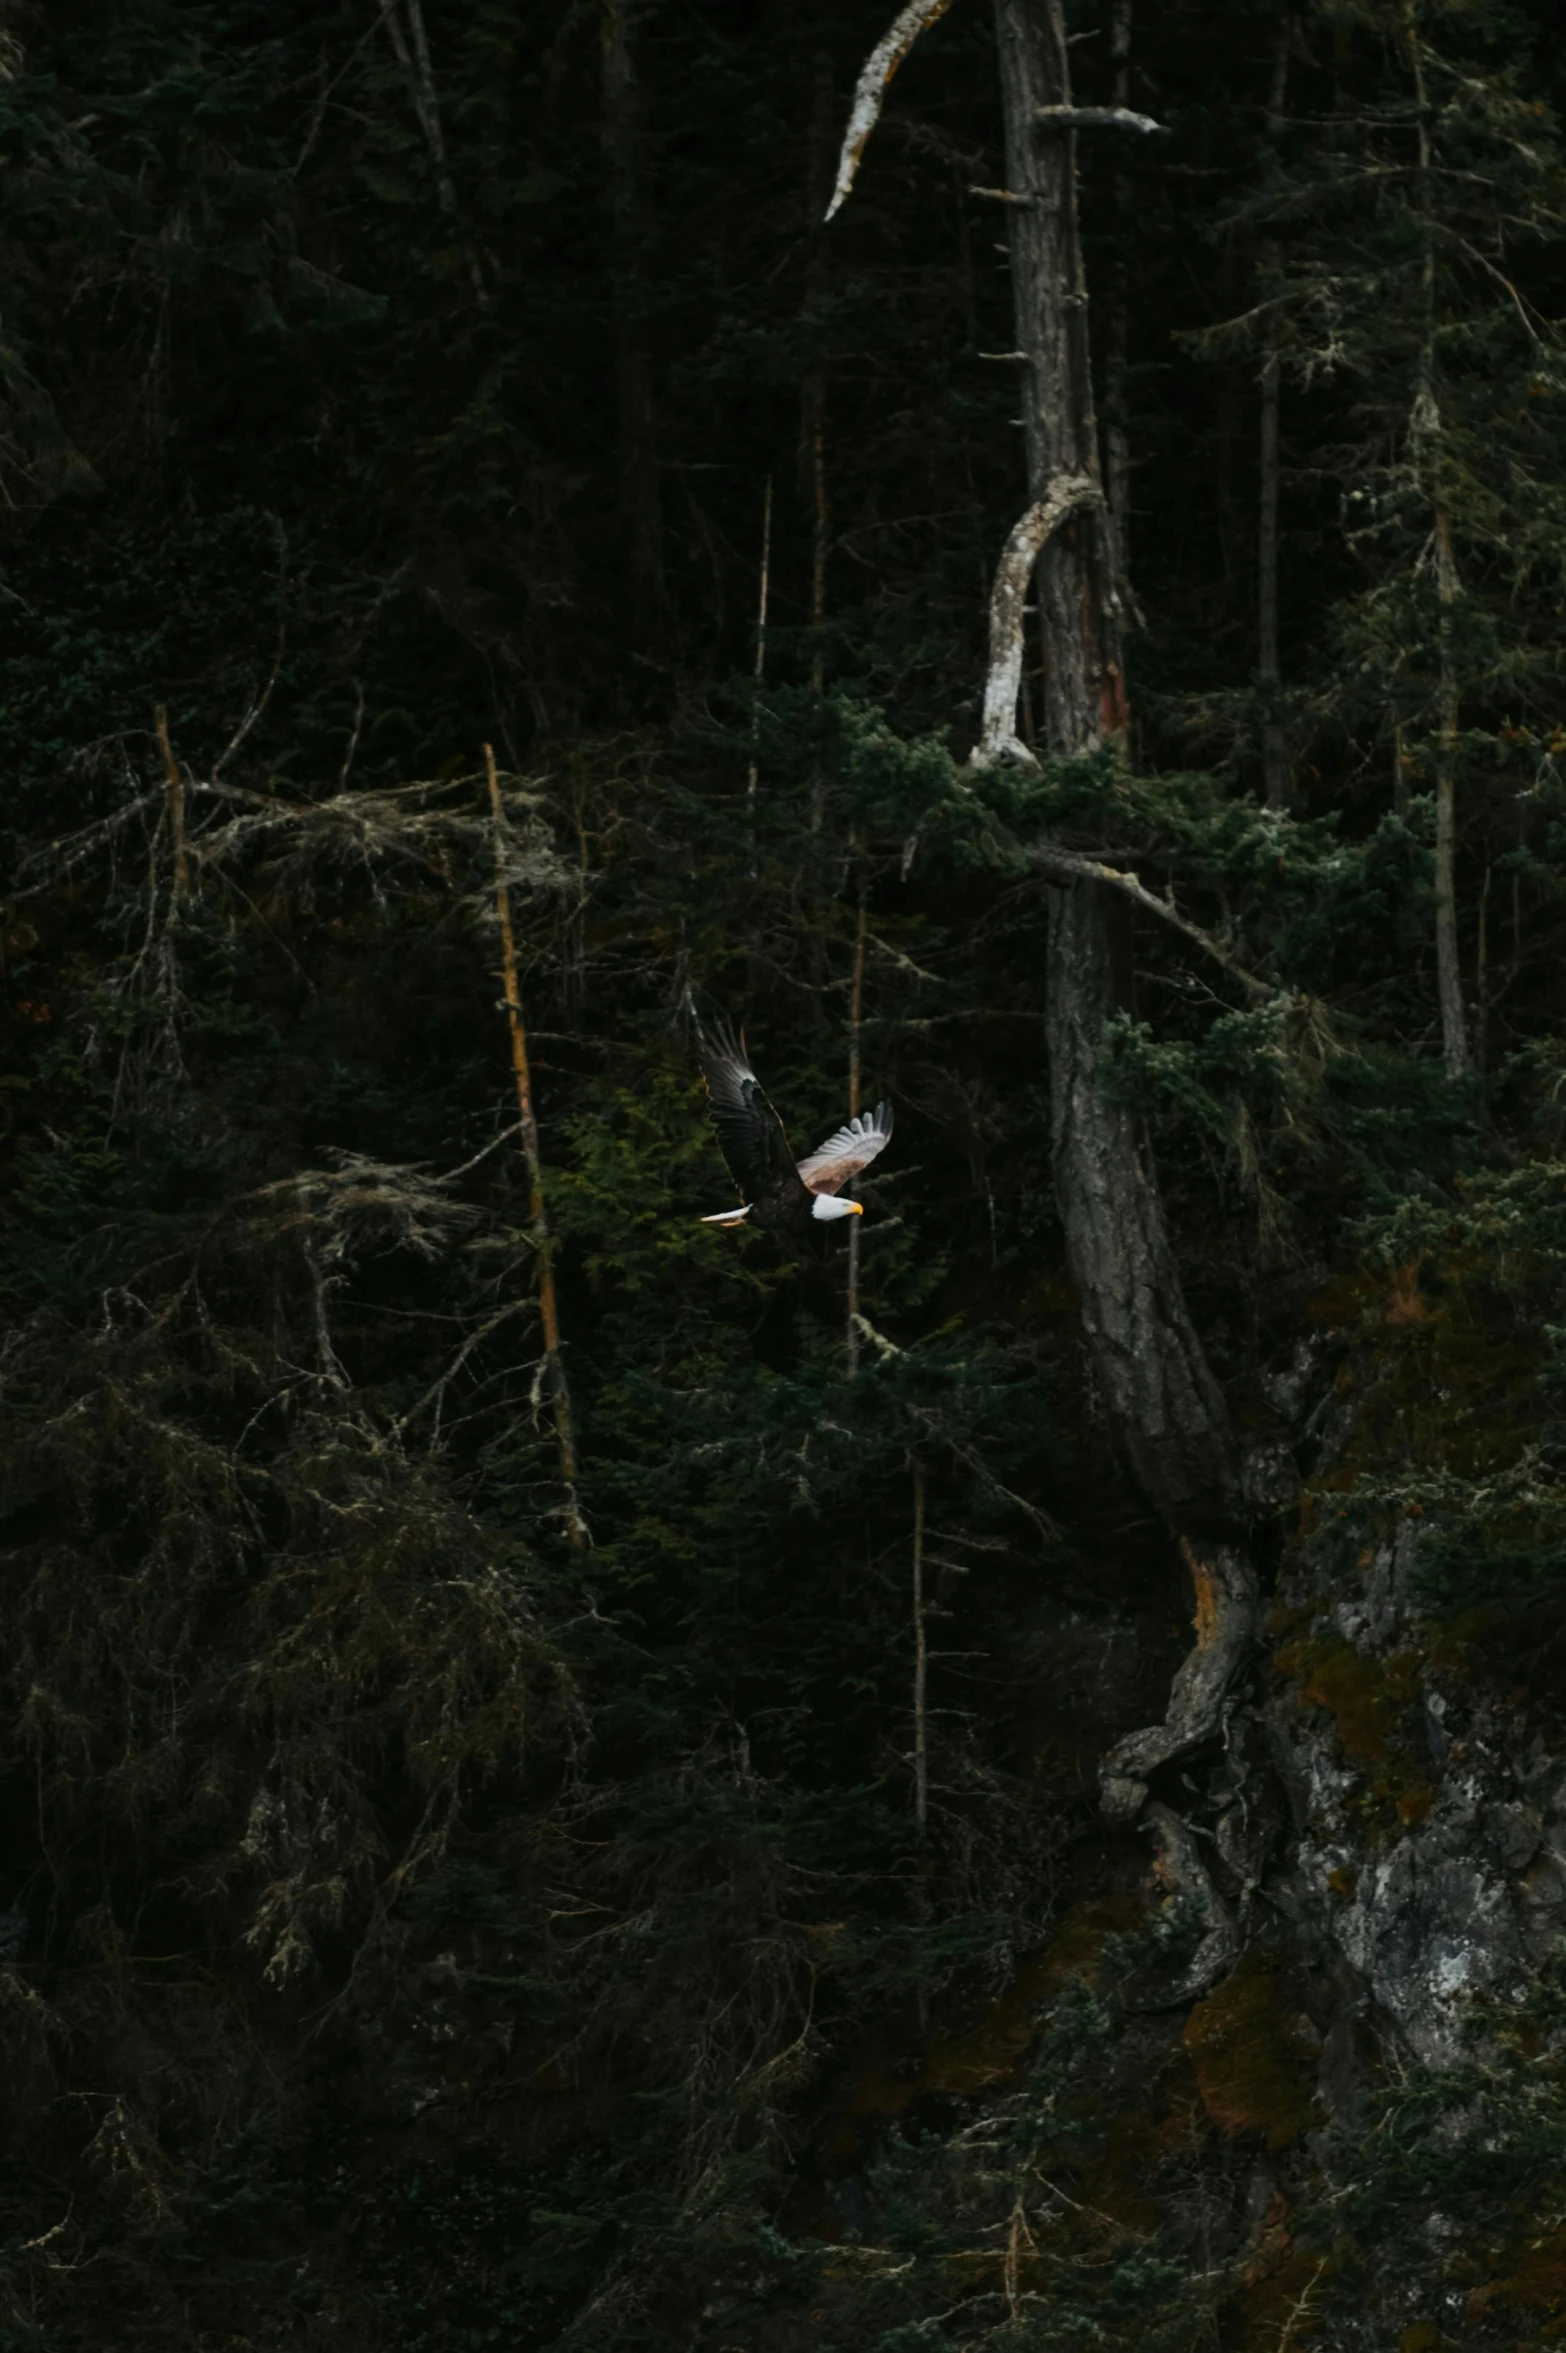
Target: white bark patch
[(998, 737), (879, 67)]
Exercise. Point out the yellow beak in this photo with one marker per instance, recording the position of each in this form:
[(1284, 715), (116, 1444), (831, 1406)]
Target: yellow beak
[(857, 1207)]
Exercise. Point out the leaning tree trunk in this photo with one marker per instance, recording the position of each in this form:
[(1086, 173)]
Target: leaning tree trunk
[(1165, 1407)]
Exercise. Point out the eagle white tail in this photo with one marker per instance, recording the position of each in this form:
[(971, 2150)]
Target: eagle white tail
[(728, 1217)]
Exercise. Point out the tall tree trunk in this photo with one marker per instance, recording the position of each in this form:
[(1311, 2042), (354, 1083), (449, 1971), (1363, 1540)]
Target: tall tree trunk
[(1165, 1407), (624, 142), (1275, 747)]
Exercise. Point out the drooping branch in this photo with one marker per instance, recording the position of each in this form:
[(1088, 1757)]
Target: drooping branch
[(879, 67), (1075, 865), (998, 738)]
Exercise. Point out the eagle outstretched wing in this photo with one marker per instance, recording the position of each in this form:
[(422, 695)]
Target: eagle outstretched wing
[(750, 1133), (836, 1162)]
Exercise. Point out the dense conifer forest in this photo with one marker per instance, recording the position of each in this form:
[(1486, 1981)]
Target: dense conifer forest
[(579, 1779)]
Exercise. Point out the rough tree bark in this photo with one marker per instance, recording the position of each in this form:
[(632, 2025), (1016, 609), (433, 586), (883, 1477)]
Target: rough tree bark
[(624, 146)]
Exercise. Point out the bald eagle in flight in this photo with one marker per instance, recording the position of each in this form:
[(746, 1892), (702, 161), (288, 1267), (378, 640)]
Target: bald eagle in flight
[(785, 1196)]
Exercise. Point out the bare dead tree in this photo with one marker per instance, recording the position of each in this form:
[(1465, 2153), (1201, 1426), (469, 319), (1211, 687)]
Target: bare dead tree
[(538, 1213)]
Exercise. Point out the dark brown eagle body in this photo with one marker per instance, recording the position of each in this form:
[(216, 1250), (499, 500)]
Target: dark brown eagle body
[(785, 1196)]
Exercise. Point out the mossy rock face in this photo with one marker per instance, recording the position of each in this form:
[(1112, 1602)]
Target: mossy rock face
[(1444, 1373), (1255, 2065), (1372, 1703), (1367, 1697)]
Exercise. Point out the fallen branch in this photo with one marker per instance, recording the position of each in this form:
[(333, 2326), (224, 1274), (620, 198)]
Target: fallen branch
[(1072, 865), (879, 67), (998, 738)]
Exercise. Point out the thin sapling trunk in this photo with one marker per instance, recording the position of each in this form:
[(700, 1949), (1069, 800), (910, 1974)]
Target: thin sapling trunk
[(538, 1215)]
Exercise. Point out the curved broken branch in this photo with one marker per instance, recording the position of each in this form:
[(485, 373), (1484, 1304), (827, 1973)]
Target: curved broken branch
[(879, 67), (1227, 1617), (998, 739)]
